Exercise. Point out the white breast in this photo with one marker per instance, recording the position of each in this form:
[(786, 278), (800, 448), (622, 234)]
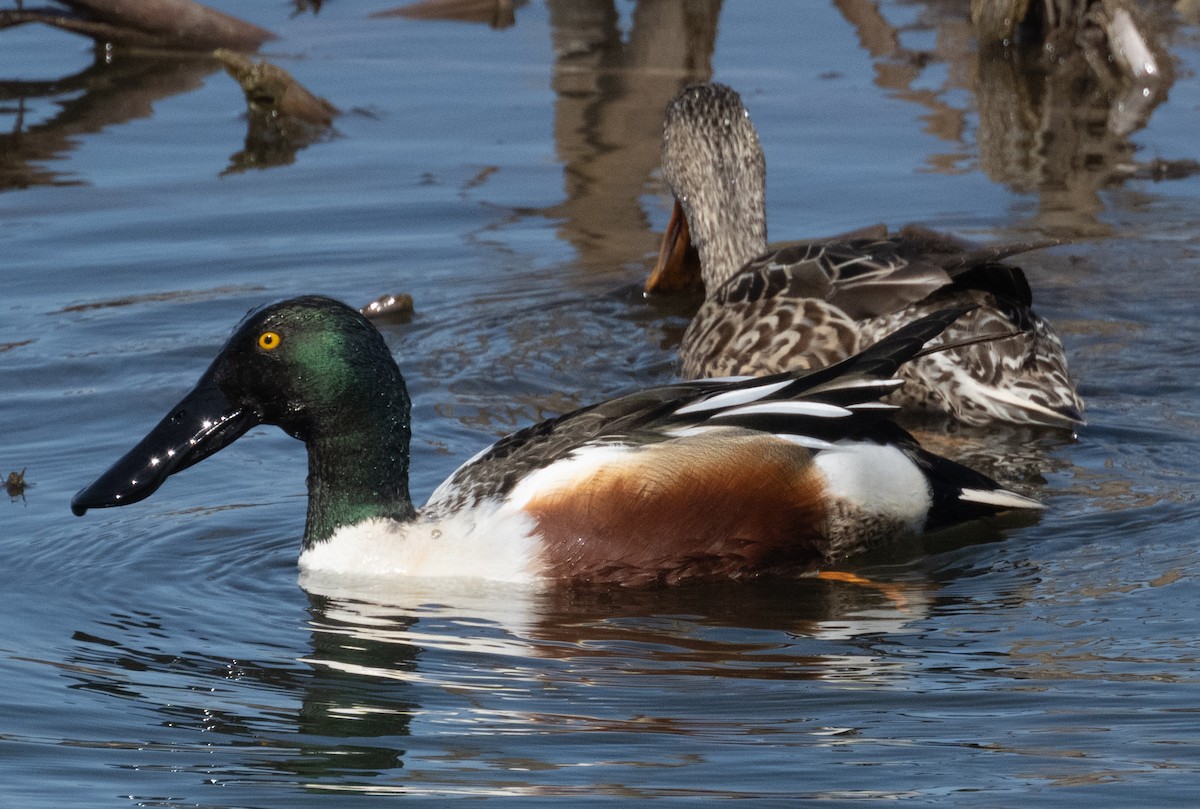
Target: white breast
[(493, 543)]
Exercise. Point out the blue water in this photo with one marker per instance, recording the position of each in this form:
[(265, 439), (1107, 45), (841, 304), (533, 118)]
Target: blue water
[(165, 654)]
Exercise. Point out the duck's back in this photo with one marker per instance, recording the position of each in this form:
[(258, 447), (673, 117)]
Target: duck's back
[(808, 305)]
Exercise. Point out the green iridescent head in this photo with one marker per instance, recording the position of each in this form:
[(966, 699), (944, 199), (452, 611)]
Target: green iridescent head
[(315, 368)]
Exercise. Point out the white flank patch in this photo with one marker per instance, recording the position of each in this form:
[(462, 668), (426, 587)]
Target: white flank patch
[(581, 464), (733, 398), (495, 543), (1001, 498), (876, 479), (818, 409)]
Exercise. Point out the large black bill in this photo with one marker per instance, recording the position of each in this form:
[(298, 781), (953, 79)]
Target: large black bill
[(202, 423)]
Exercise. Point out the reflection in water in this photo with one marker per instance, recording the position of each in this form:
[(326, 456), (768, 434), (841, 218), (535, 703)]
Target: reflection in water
[(343, 701), (555, 668), (292, 716), (1057, 125), (610, 93), (1059, 132), (611, 88), (107, 94), (1022, 457), (639, 631), (1111, 39), (282, 117), (402, 676), (899, 70), (442, 688), (496, 13)]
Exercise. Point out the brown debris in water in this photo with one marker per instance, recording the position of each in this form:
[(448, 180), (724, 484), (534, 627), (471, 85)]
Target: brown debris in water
[(396, 308), (282, 115), (154, 24), (271, 90), (16, 484)]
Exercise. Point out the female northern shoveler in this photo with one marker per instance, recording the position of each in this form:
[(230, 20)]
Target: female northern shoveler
[(808, 305), (706, 478)]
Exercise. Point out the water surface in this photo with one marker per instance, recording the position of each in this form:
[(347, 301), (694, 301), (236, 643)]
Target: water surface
[(166, 654)]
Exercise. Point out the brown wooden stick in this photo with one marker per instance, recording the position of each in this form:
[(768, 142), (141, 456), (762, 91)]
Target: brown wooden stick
[(159, 24)]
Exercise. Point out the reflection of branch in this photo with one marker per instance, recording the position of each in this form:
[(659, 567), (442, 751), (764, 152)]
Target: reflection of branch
[(163, 24), (283, 116), (104, 95), (610, 91)]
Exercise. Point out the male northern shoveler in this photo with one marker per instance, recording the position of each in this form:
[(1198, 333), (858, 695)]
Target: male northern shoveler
[(811, 304), (709, 478)]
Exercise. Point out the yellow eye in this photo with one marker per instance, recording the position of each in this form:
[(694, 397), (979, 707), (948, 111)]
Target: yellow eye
[(269, 341)]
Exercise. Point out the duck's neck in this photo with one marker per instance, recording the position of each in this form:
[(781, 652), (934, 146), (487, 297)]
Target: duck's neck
[(726, 252), (729, 227), (358, 465)]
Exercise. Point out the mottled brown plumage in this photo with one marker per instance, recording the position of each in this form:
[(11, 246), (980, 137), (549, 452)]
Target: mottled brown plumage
[(810, 304)]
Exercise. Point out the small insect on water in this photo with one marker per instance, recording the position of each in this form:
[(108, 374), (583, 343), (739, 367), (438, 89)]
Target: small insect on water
[(15, 484)]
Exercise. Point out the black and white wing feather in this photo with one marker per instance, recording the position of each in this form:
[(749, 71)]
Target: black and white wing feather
[(819, 407)]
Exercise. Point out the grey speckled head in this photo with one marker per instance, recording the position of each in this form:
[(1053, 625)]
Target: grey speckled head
[(714, 164)]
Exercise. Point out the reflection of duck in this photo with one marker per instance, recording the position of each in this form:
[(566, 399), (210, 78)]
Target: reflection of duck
[(1060, 88), (1109, 35), (816, 303), (706, 478), (495, 631)]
